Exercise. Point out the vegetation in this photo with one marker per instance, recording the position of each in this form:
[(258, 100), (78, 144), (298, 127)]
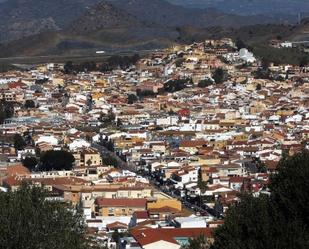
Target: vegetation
[(240, 44), (200, 183), (199, 242), (6, 110), (19, 142), (220, 76), (145, 93), (36, 223), (132, 98), (292, 56), (176, 85), (109, 160), (205, 83), (29, 104), (279, 220), (113, 62), (30, 163), (56, 160)]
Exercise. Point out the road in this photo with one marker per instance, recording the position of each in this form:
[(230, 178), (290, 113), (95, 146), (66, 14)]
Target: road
[(64, 58), (125, 166)]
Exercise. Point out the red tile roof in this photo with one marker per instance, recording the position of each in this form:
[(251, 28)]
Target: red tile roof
[(141, 214), (124, 202), (145, 236)]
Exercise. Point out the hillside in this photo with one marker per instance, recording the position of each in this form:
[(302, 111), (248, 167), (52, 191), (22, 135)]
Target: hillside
[(81, 27), (162, 13), (21, 18), (103, 16)]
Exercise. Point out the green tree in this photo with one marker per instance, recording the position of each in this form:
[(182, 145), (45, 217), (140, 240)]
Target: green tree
[(220, 76), (109, 160), (290, 187), (200, 183), (30, 163), (240, 44), (29, 104), (19, 142), (6, 110), (132, 99), (56, 160), (29, 221), (280, 220), (205, 83), (258, 87), (303, 61)]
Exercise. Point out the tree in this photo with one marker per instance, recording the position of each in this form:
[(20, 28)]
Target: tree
[(200, 183), (6, 110), (205, 83), (132, 99), (176, 85), (280, 220), (56, 160), (219, 76), (109, 160), (240, 44), (303, 61), (29, 221), (19, 142), (199, 242), (30, 163), (29, 104), (258, 87), (290, 187)]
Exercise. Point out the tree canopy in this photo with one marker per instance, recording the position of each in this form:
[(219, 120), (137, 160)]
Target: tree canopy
[(19, 142), (29, 104), (6, 110), (278, 220), (219, 75), (30, 163), (56, 160), (29, 221)]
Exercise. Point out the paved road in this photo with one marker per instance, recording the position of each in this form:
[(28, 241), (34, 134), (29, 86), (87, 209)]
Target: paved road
[(124, 165), (105, 152)]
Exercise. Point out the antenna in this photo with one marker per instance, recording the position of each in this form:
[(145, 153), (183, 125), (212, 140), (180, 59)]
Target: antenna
[(299, 18)]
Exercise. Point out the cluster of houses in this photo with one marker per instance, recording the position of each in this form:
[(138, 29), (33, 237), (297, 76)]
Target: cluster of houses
[(178, 152)]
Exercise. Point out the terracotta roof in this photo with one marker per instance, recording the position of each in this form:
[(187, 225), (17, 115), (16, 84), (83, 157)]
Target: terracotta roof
[(141, 214), (145, 236), (17, 170), (124, 202), (164, 209), (192, 143), (117, 225)]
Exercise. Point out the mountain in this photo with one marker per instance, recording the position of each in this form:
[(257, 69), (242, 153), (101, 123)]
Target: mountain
[(280, 9), (165, 14), (104, 16), (81, 27), (21, 18)]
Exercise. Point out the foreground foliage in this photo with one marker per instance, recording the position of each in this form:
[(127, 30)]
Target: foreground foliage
[(29, 221), (279, 220)]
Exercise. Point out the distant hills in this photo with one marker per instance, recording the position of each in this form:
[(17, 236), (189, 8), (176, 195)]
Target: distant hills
[(280, 9), (41, 27)]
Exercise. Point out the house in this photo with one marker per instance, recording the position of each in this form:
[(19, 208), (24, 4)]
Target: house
[(171, 238), (119, 207)]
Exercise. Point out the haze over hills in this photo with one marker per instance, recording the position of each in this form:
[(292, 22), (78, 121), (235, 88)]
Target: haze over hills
[(40, 27), (275, 8)]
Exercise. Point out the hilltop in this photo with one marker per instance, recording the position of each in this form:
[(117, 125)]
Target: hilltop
[(66, 27)]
